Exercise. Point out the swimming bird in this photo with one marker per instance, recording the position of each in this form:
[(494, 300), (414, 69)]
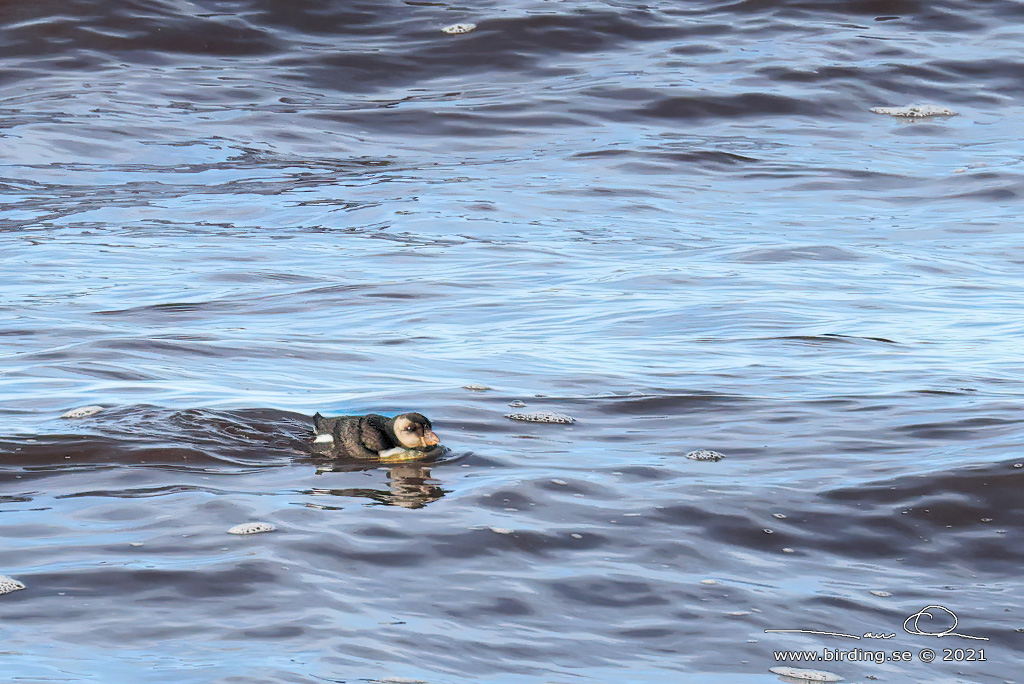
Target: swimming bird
[(373, 436)]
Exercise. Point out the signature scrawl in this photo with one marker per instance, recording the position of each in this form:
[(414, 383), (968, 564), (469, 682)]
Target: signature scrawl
[(912, 625)]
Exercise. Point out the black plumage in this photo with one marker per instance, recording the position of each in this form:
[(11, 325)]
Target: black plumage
[(367, 436)]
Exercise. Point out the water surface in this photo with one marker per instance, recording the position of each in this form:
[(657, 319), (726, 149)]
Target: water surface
[(677, 222)]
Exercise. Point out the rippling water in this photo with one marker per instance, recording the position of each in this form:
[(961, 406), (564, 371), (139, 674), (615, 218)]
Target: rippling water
[(679, 223)]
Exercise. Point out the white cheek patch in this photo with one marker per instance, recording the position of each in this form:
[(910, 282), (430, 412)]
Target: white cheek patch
[(324, 439)]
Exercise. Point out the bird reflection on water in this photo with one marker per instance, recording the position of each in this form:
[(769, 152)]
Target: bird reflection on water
[(409, 486)]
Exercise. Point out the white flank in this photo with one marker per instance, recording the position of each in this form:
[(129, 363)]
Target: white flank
[(324, 439)]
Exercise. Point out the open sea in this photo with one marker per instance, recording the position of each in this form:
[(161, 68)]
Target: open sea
[(679, 223)]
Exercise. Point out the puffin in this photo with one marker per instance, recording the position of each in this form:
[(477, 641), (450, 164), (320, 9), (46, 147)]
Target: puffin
[(407, 436)]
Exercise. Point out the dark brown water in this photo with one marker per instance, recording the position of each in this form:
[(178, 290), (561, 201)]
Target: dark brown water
[(677, 222)]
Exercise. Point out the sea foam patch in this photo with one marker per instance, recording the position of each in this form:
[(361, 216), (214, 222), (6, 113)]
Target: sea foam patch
[(705, 455), (252, 528), (456, 29), (915, 111), (797, 674), (542, 417), (9, 584), (82, 412)]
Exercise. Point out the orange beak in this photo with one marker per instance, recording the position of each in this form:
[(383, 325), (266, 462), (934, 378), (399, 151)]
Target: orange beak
[(431, 439)]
